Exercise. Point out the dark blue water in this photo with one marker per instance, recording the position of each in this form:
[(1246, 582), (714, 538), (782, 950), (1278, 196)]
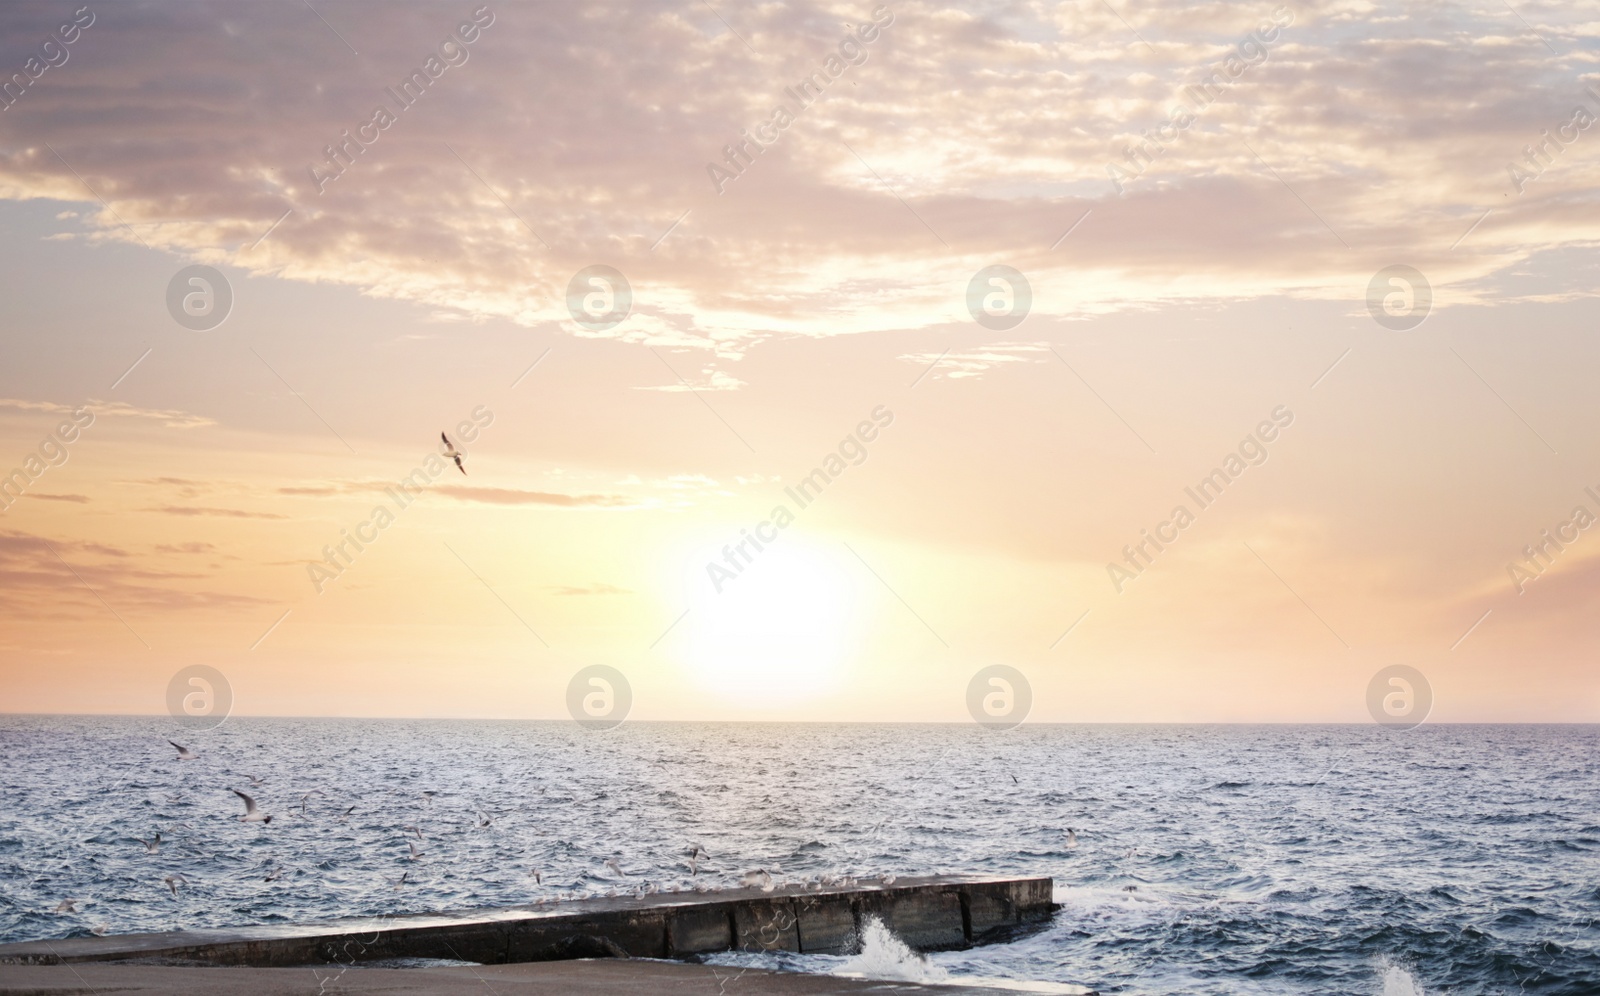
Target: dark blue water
[(1209, 859)]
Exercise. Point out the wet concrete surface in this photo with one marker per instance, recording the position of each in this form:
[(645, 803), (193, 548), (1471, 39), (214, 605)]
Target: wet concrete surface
[(580, 977)]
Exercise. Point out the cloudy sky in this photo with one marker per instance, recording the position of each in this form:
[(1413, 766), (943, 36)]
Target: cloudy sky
[(1199, 199)]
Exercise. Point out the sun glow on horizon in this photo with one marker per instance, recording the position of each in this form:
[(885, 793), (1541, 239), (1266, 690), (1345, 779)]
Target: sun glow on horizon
[(778, 633)]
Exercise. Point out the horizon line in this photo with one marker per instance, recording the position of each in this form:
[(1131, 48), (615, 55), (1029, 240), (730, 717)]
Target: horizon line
[(810, 722)]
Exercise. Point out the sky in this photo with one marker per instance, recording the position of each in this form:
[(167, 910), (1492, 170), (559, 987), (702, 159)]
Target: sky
[(1197, 211)]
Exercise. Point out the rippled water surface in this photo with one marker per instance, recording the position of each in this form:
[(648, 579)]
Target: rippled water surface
[(1208, 860)]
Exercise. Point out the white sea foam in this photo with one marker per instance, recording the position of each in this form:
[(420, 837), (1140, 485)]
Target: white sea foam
[(885, 956), (1115, 901), (1397, 981)]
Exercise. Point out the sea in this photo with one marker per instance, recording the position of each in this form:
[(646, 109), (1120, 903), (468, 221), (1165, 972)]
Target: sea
[(1226, 859)]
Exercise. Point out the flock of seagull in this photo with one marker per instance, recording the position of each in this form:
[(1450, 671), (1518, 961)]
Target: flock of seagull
[(253, 813), (760, 878)]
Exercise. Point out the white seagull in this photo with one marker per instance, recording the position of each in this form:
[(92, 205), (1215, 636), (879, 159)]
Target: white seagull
[(184, 753), (1072, 839), (611, 863), (252, 812), (171, 882), (696, 852), (65, 906), (451, 452), (151, 846), (760, 877), (415, 853)]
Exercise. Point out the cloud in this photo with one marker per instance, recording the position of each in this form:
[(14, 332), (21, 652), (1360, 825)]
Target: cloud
[(207, 548), (514, 496), (956, 364), (196, 510), (75, 499), (716, 381), (965, 136), (35, 406), (170, 418), (40, 577), (462, 492), (1566, 591), (179, 482), (184, 487)]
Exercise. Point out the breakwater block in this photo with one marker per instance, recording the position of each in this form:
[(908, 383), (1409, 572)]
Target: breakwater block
[(929, 914)]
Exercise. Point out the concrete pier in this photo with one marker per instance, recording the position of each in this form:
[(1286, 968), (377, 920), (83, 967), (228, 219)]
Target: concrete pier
[(548, 978), (929, 914)]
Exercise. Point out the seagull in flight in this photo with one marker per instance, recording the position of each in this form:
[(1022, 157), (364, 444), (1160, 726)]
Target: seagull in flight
[(255, 782), (415, 851), (171, 882), (152, 846), (1072, 839), (184, 753), (252, 812), (65, 906), (695, 854), (451, 452), (611, 863)]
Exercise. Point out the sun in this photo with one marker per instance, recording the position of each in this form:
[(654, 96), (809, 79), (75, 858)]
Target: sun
[(777, 634)]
